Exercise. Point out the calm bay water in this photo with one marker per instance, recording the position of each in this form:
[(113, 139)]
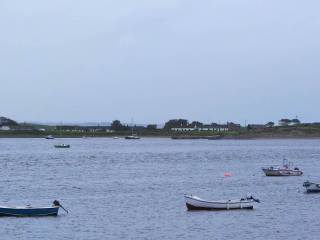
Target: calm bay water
[(120, 189)]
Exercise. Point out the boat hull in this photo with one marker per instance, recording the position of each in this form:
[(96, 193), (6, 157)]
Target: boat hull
[(132, 138), (311, 187), (197, 208), (28, 212), (194, 203), (281, 172)]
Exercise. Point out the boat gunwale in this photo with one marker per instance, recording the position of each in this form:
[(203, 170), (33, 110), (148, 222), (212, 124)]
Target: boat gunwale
[(28, 208)]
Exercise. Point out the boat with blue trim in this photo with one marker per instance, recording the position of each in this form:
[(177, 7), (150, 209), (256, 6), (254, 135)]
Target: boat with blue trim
[(30, 211)]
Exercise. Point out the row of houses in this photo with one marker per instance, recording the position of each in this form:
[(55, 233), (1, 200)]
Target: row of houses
[(281, 123), (289, 122), (75, 128), (214, 127)]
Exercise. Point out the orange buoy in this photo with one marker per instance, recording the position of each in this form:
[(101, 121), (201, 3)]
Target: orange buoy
[(227, 174)]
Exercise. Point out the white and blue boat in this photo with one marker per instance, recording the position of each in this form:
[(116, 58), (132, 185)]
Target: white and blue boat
[(30, 211), (285, 170), (311, 187)]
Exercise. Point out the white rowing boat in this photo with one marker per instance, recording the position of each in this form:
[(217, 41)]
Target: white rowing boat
[(196, 203)]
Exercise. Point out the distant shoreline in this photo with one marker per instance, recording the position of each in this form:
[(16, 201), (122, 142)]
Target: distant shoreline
[(289, 132), (242, 136)]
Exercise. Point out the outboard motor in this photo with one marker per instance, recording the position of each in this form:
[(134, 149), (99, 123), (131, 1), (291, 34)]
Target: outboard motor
[(57, 203)]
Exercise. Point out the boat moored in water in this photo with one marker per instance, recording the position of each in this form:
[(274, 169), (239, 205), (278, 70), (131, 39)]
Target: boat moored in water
[(29, 211), (284, 170), (132, 137), (311, 186), (49, 137), (196, 203), (62, 146)]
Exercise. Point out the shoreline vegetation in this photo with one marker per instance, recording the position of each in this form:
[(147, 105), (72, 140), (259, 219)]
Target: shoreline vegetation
[(275, 133), (177, 129)]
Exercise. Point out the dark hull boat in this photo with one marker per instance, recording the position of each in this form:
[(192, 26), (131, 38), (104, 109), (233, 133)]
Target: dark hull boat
[(62, 146), (132, 137), (311, 187), (29, 211)]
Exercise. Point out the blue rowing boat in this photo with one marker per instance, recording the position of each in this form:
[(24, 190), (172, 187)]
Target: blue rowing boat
[(29, 211)]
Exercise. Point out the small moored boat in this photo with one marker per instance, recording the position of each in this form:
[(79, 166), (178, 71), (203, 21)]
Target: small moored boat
[(196, 203), (284, 170), (311, 186), (49, 137), (29, 211), (132, 137), (62, 146)]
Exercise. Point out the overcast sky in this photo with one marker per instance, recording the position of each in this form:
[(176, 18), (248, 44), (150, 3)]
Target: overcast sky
[(219, 60)]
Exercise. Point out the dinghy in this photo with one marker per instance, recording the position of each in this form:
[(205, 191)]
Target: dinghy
[(311, 186), (284, 170), (49, 137), (29, 211), (196, 203), (62, 146)]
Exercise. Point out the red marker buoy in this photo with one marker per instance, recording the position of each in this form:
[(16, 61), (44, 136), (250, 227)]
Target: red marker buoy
[(227, 174)]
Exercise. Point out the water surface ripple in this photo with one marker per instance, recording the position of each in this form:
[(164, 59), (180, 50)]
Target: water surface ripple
[(118, 189)]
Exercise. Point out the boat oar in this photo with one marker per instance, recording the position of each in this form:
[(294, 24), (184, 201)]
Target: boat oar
[(256, 200), (57, 203)]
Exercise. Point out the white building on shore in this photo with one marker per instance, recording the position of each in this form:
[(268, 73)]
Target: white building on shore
[(214, 127)]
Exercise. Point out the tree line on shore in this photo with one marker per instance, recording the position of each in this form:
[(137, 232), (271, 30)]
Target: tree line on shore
[(117, 126)]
